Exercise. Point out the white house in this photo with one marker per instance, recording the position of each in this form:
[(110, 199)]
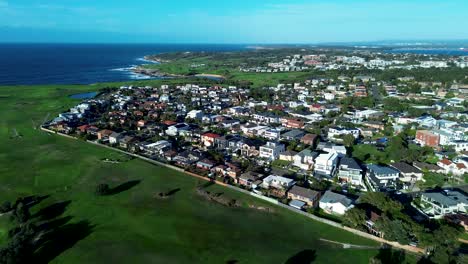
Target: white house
[(175, 130), (334, 203), (278, 182), (367, 114), (271, 150), (334, 132), (157, 147), (325, 164), (304, 159), (272, 134), (195, 114)]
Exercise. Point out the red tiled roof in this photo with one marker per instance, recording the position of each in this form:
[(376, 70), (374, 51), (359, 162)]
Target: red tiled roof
[(169, 122), (211, 135), (446, 162)]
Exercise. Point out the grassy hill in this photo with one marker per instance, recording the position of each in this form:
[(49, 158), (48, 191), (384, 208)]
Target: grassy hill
[(133, 224)]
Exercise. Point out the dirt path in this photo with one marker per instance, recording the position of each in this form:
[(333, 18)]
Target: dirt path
[(348, 246)]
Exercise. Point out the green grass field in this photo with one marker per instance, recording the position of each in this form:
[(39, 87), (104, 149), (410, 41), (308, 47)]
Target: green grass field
[(134, 226)]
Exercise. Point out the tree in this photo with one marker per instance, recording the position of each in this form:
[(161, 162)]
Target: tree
[(5, 207), (382, 202), (102, 189), (395, 230), (354, 218), (21, 213), (348, 140)]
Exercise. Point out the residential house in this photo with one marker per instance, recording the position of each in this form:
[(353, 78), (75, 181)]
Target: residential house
[(187, 158), (427, 167), (293, 123), (295, 134), (176, 130), (249, 147), (308, 196), (335, 132), (287, 155), (271, 150), (157, 148), (381, 177), (438, 204), (334, 203), (278, 182), (126, 141), (305, 159), (427, 138), (408, 173), (208, 139), (205, 164), (350, 171), (451, 167), (250, 179), (309, 139), (367, 114), (325, 165), (272, 134), (329, 147), (195, 114), (104, 134), (114, 138), (266, 118)]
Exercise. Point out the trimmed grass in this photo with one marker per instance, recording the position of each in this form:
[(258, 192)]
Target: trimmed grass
[(134, 225)]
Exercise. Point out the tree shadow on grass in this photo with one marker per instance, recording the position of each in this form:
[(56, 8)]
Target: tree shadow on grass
[(389, 255), (53, 224), (52, 211), (61, 238), (169, 193), (172, 192), (33, 200), (123, 187), (306, 256)]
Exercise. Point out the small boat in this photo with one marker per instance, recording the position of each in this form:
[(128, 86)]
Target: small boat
[(464, 49)]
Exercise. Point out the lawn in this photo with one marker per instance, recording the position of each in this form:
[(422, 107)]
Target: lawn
[(134, 225)]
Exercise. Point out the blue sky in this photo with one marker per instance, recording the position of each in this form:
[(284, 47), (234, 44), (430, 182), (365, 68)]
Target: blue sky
[(231, 21)]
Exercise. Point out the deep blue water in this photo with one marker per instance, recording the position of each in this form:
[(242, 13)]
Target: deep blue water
[(82, 63)]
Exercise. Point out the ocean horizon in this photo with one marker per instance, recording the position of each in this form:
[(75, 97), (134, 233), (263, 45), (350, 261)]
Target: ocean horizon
[(83, 63), (88, 63)]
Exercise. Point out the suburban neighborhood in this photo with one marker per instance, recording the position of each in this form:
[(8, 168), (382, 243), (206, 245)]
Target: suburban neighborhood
[(321, 146)]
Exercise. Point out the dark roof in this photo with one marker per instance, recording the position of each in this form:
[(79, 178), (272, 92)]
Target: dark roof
[(251, 175), (304, 192), (294, 134), (405, 167), (426, 166), (350, 163), (377, 169)]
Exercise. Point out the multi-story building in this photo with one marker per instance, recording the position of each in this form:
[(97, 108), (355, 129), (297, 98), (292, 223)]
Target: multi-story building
[(381, 177), (350, 171), (325, 165), (438, 204), (427, 138), (271, 150)]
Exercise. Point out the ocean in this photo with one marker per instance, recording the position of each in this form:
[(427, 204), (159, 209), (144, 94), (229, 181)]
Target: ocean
[(423, 51), (30, 64)]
